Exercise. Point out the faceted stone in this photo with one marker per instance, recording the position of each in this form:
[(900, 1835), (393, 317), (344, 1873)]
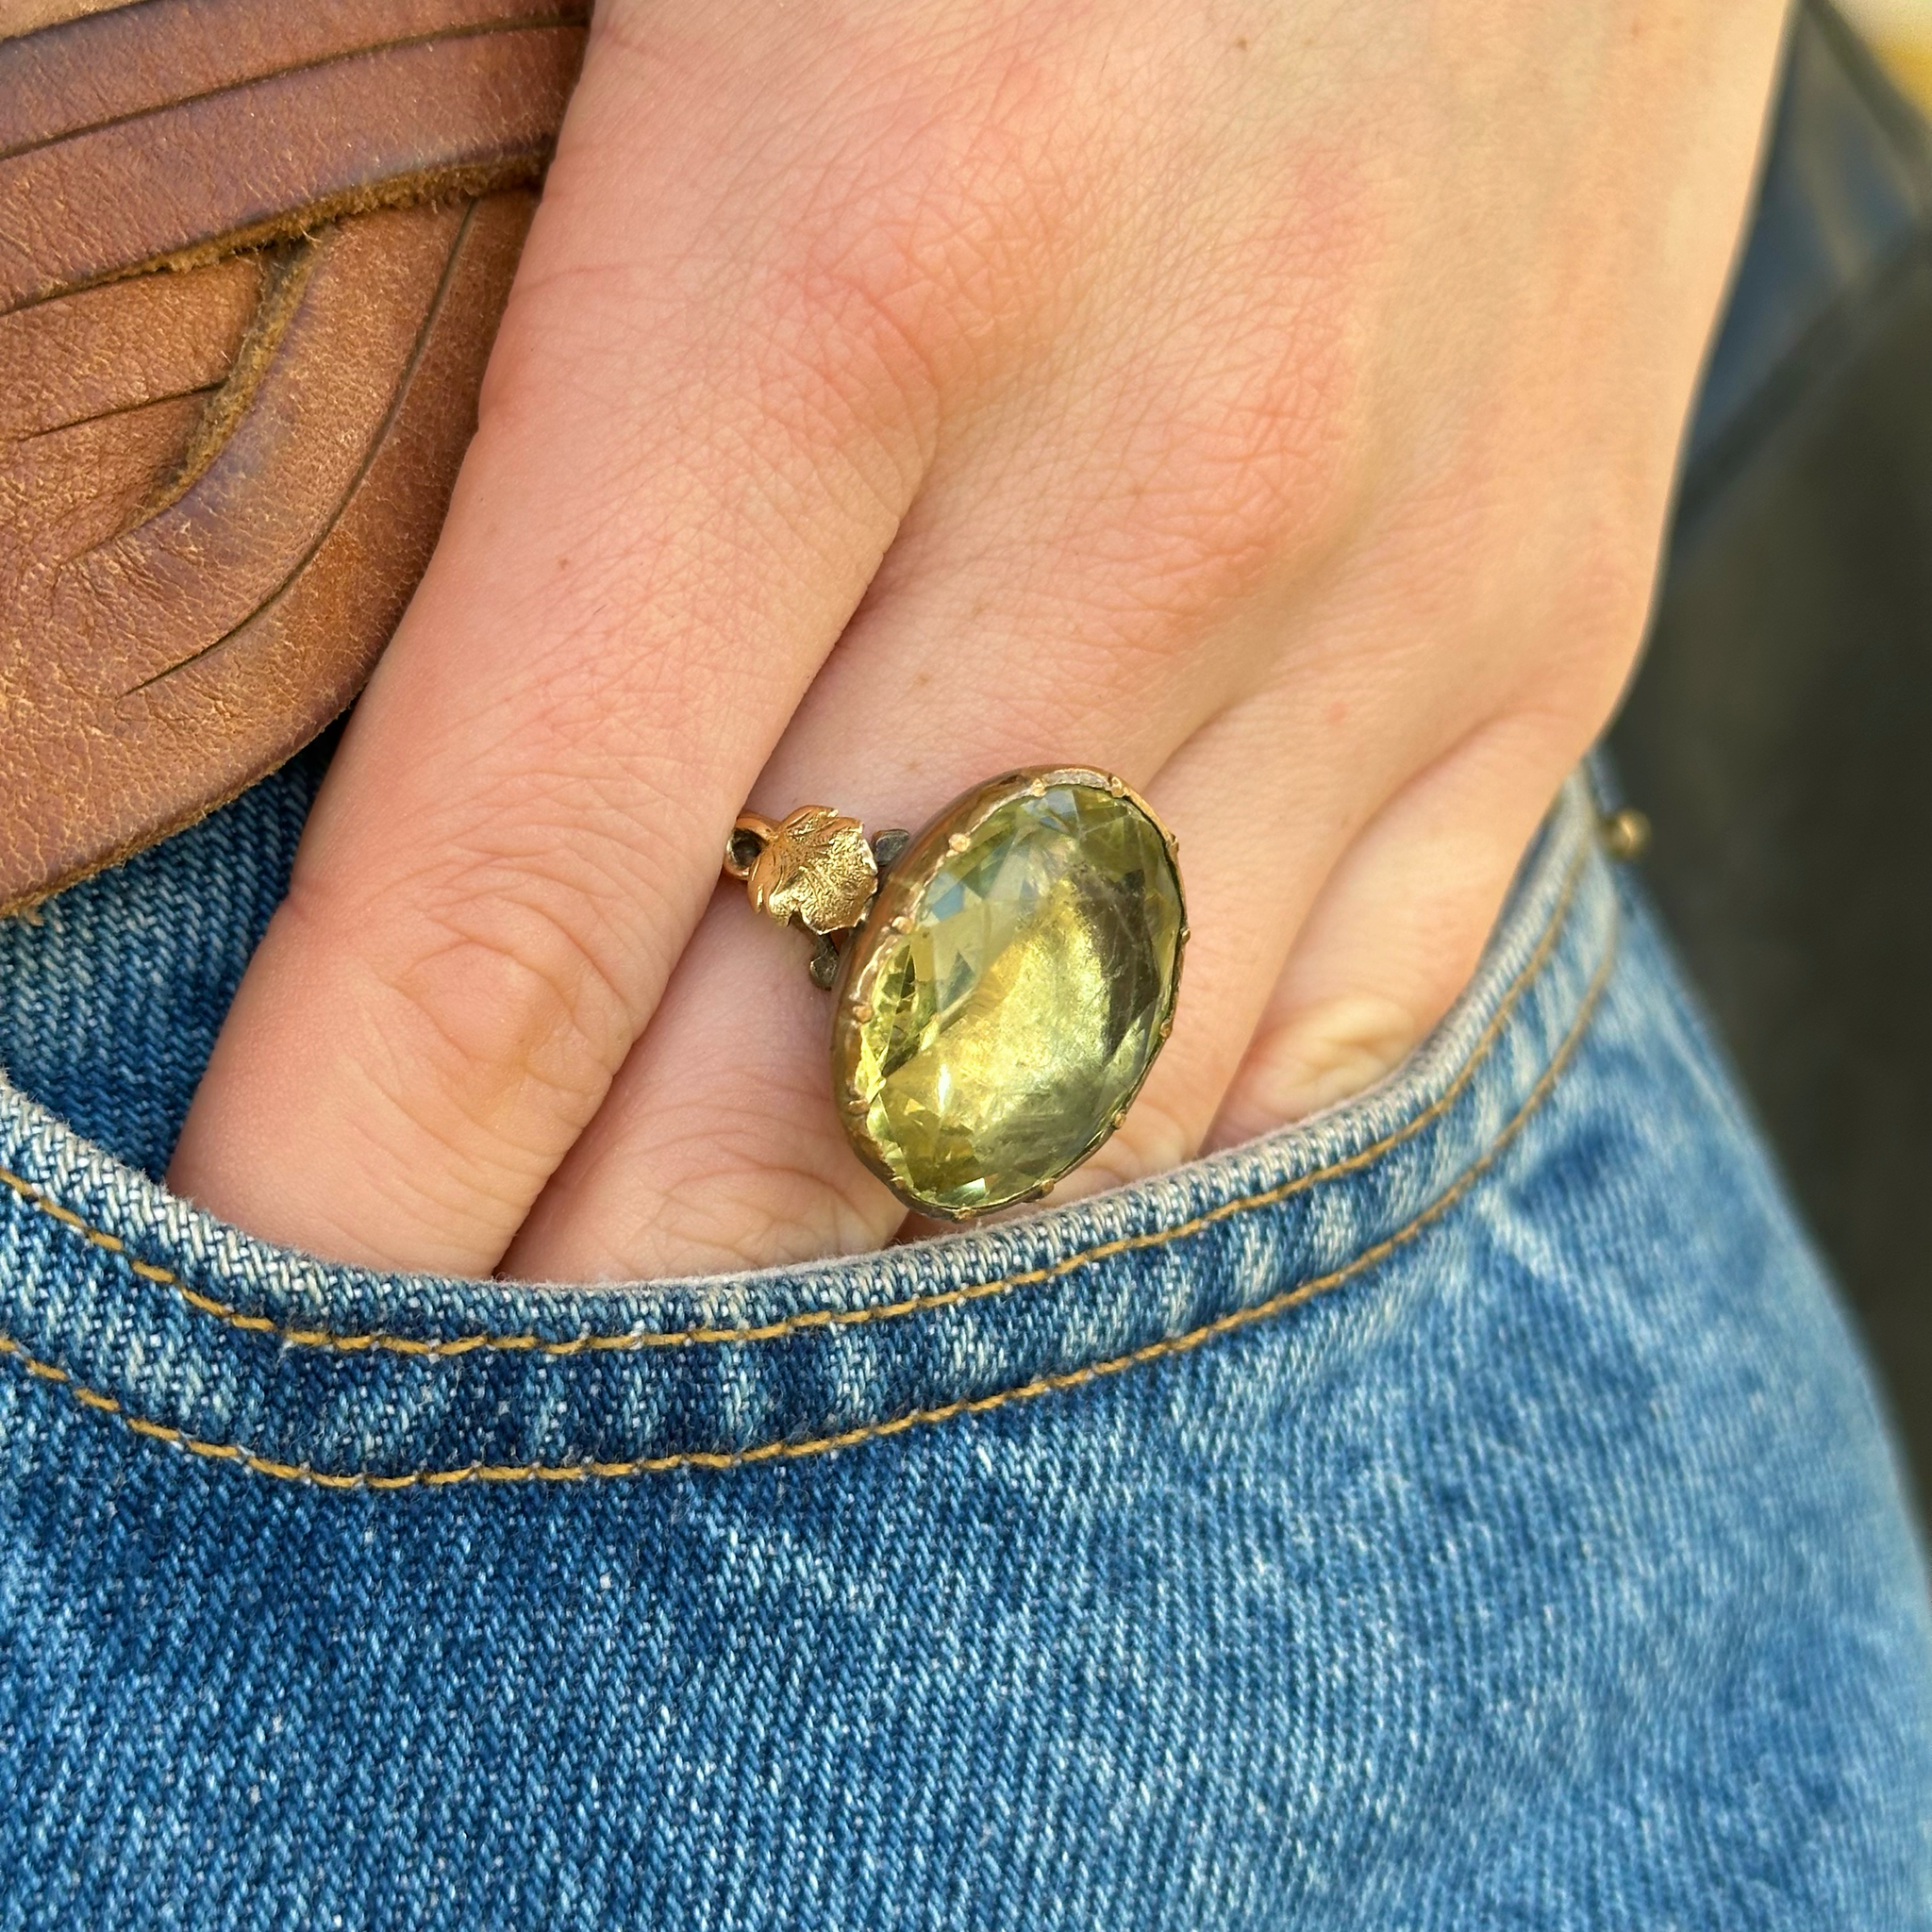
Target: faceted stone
[(1022, 1005)]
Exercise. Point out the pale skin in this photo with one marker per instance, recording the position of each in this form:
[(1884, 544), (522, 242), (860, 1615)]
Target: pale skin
[(1276, 403)]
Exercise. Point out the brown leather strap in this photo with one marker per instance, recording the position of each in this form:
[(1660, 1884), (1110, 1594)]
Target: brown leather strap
[(252, 257), (28, 16)]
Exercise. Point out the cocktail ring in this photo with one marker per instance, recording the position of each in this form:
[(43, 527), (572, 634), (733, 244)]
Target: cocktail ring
[(1003, 980)]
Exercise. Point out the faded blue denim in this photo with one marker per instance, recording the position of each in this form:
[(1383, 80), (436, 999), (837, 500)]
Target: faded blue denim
[(1465, 1511)]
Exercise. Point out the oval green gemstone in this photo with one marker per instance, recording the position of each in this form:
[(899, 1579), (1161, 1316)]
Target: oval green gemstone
[(1015, 1000)]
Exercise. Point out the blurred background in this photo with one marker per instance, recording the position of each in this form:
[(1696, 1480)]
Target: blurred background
[(1901, 32), (1779, 730)]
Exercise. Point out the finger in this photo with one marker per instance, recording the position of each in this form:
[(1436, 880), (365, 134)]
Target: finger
[(685, 476), (1397, 930), (720, 1145), (1024, 616), (1094, 566), (1113, 616)]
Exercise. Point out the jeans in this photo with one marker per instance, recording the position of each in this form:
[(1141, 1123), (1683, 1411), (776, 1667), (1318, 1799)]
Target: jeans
[(1467, 1508)]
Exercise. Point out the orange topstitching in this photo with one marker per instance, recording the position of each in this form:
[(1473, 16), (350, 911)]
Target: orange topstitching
[(785, 1449), (632, 1339)]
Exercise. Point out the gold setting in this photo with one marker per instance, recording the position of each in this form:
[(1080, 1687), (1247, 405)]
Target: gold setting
[(805, 869), (815, 866)]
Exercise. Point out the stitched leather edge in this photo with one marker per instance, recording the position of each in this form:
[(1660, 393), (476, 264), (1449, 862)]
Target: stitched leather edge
[(473, 30), (460, 181), (379, 440), (788, 1450), (629, 1341)]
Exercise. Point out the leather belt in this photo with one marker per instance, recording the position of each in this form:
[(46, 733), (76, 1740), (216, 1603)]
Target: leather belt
[(252, 259)]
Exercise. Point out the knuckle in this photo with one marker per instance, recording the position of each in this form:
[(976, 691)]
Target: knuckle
[(773, 1217), (717, 1184), (497, 1019), (925, 235), (1337, 1048), (1154, 1138), (1247, 471)]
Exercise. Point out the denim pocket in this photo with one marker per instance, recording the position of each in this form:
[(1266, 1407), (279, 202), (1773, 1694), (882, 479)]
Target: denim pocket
[(1461, 1510), (202, 1341)]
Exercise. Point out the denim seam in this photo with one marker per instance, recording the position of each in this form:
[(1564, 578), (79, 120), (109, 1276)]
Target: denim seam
[(633, 1340), (788, 1450)]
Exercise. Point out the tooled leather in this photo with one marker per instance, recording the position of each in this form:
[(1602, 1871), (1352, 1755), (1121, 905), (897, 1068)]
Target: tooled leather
[(252, 259)]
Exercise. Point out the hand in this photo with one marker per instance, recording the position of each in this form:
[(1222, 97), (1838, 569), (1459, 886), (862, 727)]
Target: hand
[(1274, 404)]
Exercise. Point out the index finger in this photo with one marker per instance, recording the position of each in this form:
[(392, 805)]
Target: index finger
[(684, 477)]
